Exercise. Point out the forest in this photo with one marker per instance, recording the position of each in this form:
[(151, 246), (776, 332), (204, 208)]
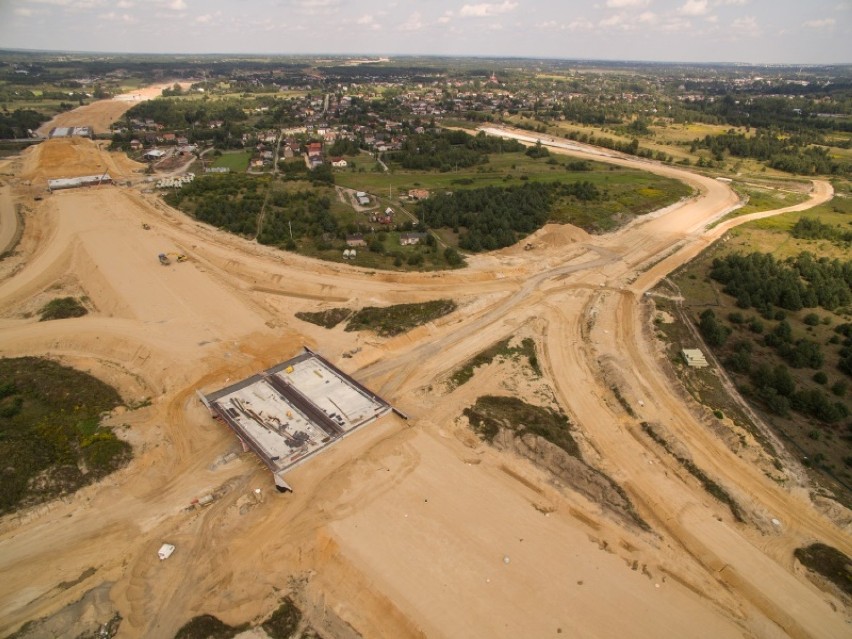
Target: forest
[(759, 280), (495, 217), (793, 154)]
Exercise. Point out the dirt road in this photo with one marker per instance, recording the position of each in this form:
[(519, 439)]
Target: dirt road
[(102, 113), (404, 529)]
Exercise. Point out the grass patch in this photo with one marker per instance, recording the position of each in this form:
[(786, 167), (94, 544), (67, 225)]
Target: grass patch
[(392, 320), (51, 441), (208, 627), (236, 161), (284, 621), (465, 372), (62, 308), (491, 413), (708, 484), (327, 319), (829, 563)]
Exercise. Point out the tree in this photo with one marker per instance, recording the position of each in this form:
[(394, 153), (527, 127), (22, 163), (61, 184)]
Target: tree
[(712, 331)]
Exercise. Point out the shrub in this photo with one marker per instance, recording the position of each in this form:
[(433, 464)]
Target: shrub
[(62, 308)]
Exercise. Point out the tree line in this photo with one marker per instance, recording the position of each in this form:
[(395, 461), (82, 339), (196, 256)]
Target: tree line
[(447, 150)]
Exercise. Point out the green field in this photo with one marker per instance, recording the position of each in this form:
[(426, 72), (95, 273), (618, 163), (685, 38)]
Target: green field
[(237, 161), (627, 192)]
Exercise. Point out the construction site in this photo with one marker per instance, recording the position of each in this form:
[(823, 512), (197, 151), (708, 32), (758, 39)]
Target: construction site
[(294, 410), (399, 528)]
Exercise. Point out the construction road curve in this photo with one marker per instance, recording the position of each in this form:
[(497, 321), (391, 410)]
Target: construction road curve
[(405, 528)]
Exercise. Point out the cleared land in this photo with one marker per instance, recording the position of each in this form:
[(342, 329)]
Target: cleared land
[(402, 529)]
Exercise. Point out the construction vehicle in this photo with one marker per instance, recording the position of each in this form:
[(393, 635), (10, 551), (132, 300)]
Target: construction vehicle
[(147, 227), (164, 259), (181, 257)]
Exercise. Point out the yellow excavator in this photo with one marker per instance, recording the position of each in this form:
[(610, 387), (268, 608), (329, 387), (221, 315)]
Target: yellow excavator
[(166, 258)]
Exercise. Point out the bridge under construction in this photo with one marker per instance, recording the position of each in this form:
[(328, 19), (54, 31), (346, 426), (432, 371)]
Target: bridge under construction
[(295, 409)]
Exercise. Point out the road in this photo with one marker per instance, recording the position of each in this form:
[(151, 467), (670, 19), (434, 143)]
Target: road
[(402, 528)]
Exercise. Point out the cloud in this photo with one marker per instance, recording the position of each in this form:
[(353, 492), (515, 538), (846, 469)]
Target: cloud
[(485, 9), (612, 21), (176, 5), (22, 11), (824, 23), (648, 17), (205, 19), (676, 24), (747, 25), (125, 4), (414, 22), (444, 19), (112, 16), (73, 5), (368, 21), (622, 4), (581, 24), (693, 8)]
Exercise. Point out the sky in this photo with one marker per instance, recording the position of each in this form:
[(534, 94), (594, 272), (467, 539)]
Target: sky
[(748, 31)]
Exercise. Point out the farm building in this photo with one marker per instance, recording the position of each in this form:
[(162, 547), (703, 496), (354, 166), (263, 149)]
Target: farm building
[(294, 410)]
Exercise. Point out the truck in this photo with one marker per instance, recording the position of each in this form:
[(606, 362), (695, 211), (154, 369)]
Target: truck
[(164, 259)]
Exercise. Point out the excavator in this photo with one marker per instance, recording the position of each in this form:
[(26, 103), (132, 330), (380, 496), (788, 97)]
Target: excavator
[(165, 258)]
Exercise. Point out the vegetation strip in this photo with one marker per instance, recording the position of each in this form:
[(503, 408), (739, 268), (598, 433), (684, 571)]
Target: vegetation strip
[(709, 485), (491, 415), (464, 373), (829, 563)]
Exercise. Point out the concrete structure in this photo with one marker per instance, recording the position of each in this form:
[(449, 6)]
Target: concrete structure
[(410, 239), (165, 551), (153, 154), (294, 410), (175, 182), (71, 131), (694, 358), (73, 183)]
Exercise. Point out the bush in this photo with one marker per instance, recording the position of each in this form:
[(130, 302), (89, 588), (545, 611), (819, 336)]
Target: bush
[(284, 621), (62, 308), (811, 319)]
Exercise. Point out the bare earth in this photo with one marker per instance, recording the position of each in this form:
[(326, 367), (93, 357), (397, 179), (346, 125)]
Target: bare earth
[(102, 113), (404, 529)]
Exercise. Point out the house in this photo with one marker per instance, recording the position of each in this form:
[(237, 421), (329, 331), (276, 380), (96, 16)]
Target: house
[(410, 239), (355, 239), (169, 137), (338, 163), (256, 163), (418, 194), (135, 145), (314, 149)]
